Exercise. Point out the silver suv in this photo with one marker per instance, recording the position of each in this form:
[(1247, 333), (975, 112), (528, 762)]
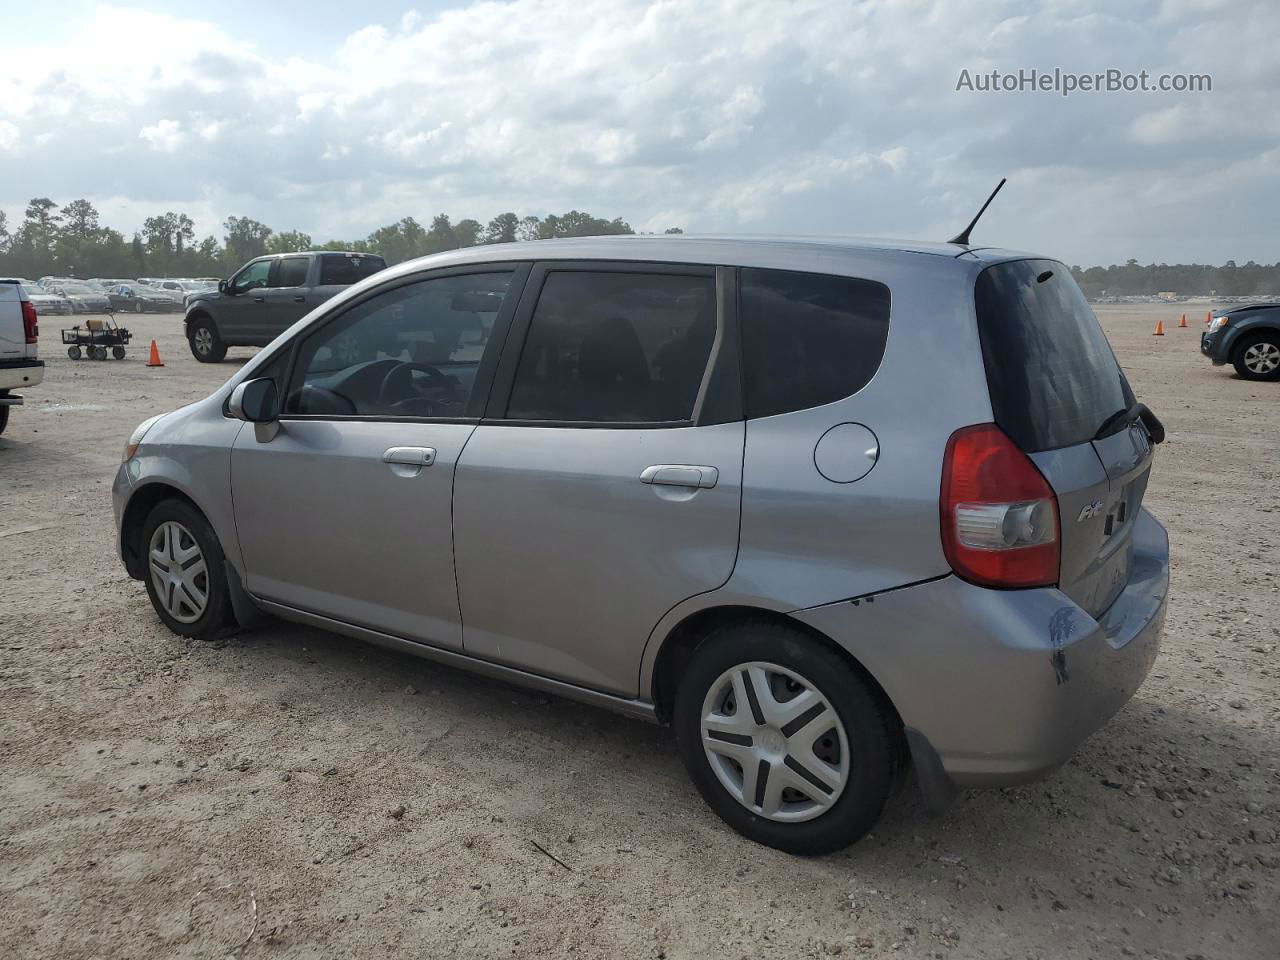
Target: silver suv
[(826, 507)]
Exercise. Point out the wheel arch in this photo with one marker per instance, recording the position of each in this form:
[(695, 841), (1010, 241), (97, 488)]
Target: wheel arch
[(140, 505), (680, 642)]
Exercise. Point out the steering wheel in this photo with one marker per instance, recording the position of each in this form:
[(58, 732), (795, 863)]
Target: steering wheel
[(397, 385)]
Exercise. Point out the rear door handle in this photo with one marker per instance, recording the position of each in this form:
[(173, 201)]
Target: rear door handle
[(680, 475), (410, 456)]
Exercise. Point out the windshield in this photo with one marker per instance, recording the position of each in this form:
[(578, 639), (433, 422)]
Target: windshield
[(1050, 370)]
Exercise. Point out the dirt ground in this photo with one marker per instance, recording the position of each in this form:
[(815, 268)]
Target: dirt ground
[(290, 793)]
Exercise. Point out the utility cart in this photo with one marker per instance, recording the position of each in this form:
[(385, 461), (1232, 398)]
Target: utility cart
[(95, 338)]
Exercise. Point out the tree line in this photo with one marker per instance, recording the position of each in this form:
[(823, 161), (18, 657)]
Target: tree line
[(1135, 279), (70, 240)]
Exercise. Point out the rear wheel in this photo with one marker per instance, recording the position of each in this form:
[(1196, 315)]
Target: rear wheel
[(118, 352), (137, 306), (74, 352), (99, 353), (206, 345), (186, 579), (785, 739), (1258, 356), (4, 417)]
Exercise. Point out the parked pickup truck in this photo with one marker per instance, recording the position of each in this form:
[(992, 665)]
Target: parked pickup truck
[(18, 335), (265, 296)]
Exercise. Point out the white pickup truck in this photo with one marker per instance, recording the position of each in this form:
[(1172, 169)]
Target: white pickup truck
[(18, 335)]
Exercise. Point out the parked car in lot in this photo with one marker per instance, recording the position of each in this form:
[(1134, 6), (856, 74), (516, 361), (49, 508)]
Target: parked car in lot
[(83, 298), (1248, 337), (818, 505), (45, 303), (266, 296), (19, 339), (139, 298)]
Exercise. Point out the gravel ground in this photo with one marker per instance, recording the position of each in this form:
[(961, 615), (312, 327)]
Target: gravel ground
[(290, 793)]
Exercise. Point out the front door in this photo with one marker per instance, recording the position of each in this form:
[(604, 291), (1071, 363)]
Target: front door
[(346, 511), (608, 487), (242, 308)]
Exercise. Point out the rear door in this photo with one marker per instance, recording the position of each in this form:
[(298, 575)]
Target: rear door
[(287, 300), (1054, 384), (604, 485)]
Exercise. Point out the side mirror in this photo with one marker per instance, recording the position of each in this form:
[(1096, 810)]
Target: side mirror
[(222, 286), (255, 401)]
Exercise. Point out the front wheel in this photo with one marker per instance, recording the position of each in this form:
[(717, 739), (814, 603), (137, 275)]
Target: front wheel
[(786, 740), (206, 345), (1258, 356), (118, 352), (4, 417), (137, 306), (186, 579), (74, 352)]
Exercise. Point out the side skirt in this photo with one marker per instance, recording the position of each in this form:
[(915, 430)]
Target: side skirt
[(638, 709)]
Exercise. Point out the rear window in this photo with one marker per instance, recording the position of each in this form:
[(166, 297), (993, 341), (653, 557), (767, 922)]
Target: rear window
[(1051, 373), (808, 339), (342, 269), (292, 272)]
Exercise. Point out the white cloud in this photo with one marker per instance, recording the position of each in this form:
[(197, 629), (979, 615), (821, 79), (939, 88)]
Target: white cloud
[(805, 117)]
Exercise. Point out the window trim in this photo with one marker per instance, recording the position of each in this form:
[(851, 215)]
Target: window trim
[(482, 385), (722, 358)]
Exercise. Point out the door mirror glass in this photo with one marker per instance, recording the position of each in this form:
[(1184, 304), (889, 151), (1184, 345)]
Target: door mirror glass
[(255, 401), (222, 286)]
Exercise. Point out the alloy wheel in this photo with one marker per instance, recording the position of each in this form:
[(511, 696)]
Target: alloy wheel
[(203, 340), (178, 572), (1262, 357), (774, 742)]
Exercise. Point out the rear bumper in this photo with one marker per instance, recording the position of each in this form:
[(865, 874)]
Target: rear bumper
[(1000, 687), (16, 374)]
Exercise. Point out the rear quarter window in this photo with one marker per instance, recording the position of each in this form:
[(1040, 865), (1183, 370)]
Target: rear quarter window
[(1051, 374), (340, 269), (808, 339)]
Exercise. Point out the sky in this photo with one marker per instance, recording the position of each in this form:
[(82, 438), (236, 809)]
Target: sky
[(718, 116)]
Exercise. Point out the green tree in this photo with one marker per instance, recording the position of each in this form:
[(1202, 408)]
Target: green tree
[(245, 239), (288, 241), (468, 232), (80, 220), (575, 223), (502, 229), (441, 236), (396, 242)]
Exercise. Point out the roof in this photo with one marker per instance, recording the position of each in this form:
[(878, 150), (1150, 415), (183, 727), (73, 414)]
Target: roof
[(837, 254)]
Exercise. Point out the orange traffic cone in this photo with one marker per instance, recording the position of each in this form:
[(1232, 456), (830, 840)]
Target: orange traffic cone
[(1183, 321), (154, 359), (1159, 329)]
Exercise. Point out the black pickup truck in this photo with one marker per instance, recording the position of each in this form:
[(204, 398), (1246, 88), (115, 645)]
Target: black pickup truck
[(265, 296)]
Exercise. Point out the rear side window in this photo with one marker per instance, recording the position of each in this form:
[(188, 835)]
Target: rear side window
[(1051, 373), (616, 348), (342, 269), (292, 272), (808, 338)]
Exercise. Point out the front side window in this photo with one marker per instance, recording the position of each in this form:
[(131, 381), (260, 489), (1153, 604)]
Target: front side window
[(292, 272), (253, 276), (413, 351), (808, 339), (616, 347)]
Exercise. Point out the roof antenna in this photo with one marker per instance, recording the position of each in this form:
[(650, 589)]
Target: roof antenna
[(962, 237)]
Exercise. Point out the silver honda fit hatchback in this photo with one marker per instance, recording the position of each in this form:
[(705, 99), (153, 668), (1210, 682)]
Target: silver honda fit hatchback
[(822, 506)]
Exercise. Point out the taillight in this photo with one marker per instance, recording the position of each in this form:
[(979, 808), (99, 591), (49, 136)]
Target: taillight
[(999, 514), (29, 323)]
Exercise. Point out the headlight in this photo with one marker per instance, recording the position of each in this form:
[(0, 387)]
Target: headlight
[(139, 432), (1218, 323)]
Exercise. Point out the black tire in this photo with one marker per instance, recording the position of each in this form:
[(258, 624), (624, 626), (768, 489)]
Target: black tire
[(137, 306), (99, 353), (870, 730), (74, 352), (217, 619), (1263, 340), (118, 352), (217, 350), (4, 417)]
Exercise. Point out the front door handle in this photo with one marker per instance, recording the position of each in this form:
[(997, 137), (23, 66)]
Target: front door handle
[(259, 299), (299, 298), (410, 456), (680, 475)]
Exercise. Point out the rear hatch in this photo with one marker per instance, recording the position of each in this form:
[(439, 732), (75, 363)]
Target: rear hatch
[(1058, 392)]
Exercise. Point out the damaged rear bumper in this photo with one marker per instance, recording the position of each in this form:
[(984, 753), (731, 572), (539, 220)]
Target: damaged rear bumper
[(997, 687)]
